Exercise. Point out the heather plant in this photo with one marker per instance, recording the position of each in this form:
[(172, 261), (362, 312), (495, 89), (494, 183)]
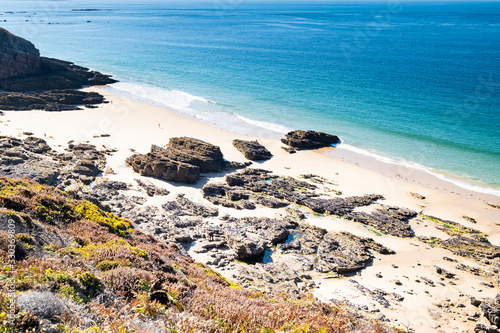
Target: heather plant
[(45, 305), (54, 206), (90, 281), (90, 271), (26, 238), (91, 212)]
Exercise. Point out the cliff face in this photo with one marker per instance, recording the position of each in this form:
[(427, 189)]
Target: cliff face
[(18, 57), (22, 69)]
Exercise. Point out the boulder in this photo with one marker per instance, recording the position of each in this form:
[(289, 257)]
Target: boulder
[(307, 243), (204, 155), (261, 229), (152, 189), (252, 150), (185, 207), (220, 194), (309, 139), (491, 310), (182, 161), (343, 252), (243, 246), (389, 219), (277, 277), (155, 165)]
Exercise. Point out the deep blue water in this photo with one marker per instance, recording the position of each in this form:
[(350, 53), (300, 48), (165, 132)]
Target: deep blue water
[(416, 82)]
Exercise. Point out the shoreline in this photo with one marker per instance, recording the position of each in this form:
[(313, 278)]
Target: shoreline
[(387, 166), (133, 126)]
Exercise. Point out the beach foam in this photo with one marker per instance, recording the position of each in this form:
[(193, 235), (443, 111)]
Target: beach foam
[(266, 125), (214, 114), (465, 184), (199, 108)]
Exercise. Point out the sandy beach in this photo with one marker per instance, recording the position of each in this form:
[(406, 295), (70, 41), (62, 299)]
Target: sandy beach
[(441, 306)]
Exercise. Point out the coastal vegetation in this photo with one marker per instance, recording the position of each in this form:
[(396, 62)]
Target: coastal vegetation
[(80, 269)]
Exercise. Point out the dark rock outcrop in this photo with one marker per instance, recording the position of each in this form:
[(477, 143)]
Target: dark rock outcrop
[(33, 158), (182, 161), (155, 165), (223, 195), (391, 220), (260, 186), (185, 207), (151, 189), (275, 277), (343, 252), (243, 246), (307, 243), (17, 56), (263, 230), (55, 100), (491, 310), (309, 139), (21, 158), (87, 162), (205, 156), (334, 252), (470, 246), (22, 68), (252, 150)]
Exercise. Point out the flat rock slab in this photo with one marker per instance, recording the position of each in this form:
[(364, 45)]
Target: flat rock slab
[(252, 150), (55, 100), (181, 161), (309, 139)]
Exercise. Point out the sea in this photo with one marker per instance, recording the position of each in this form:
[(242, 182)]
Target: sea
[(415, 83)]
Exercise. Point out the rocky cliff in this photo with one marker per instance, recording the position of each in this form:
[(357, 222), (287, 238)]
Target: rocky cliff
[(18, 57), (22, 68)]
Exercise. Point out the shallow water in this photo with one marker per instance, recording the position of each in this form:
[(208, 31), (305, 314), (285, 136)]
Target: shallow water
[(410, 82)]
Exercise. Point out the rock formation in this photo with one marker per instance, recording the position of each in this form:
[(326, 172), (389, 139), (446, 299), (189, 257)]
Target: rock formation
[(33, 158), (251, 186), (309, 139), (252, 150), (196, 152), (388, 219), (343, 252), (22, 69), (182, 161), (55, 100), (18, 57)]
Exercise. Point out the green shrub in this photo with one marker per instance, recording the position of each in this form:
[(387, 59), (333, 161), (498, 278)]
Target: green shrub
[(91, 212), (90, 281)]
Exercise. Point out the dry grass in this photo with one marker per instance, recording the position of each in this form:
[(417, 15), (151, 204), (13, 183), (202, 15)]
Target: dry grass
[(111, 278)]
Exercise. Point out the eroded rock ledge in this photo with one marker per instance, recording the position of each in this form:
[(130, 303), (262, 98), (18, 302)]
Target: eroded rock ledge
[(23, 71), (310, 139), (252, 150), (55, 100), (33, 158), (181, 161)]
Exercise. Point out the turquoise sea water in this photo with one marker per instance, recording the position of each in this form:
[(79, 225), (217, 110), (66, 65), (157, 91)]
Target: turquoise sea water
[(415, 82)]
